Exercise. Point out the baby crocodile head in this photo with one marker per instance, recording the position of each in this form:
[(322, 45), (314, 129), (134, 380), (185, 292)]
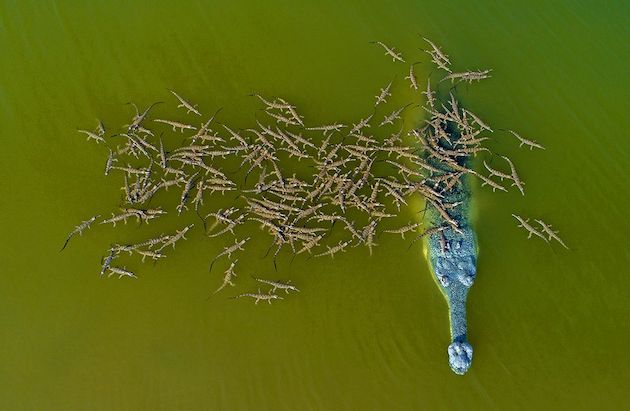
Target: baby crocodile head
[(460, 357)]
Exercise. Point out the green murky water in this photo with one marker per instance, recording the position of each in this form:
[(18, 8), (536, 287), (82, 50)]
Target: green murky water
[(549, 327)]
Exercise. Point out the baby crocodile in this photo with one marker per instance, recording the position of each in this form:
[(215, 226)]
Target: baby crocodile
[(278, 285), (259, 296)]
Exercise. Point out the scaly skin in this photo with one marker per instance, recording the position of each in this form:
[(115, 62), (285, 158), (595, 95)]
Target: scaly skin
[(457, 269), (454, 268)]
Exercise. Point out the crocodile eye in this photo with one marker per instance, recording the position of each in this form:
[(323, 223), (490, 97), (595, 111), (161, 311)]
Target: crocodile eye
[(466, 279)]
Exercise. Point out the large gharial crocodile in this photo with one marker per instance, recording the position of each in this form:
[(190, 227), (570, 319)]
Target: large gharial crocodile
[(452, 256), (453, 261)]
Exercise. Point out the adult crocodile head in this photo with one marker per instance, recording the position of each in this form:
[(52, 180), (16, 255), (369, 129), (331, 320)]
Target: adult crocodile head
[(453, 258)]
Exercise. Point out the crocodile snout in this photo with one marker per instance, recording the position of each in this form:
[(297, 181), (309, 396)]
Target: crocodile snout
[(460, 357)]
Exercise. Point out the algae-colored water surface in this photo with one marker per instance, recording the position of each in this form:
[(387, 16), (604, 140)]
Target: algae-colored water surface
[(549, 327)]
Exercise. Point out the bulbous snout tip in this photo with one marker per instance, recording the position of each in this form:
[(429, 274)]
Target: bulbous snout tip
[(460, 357)]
